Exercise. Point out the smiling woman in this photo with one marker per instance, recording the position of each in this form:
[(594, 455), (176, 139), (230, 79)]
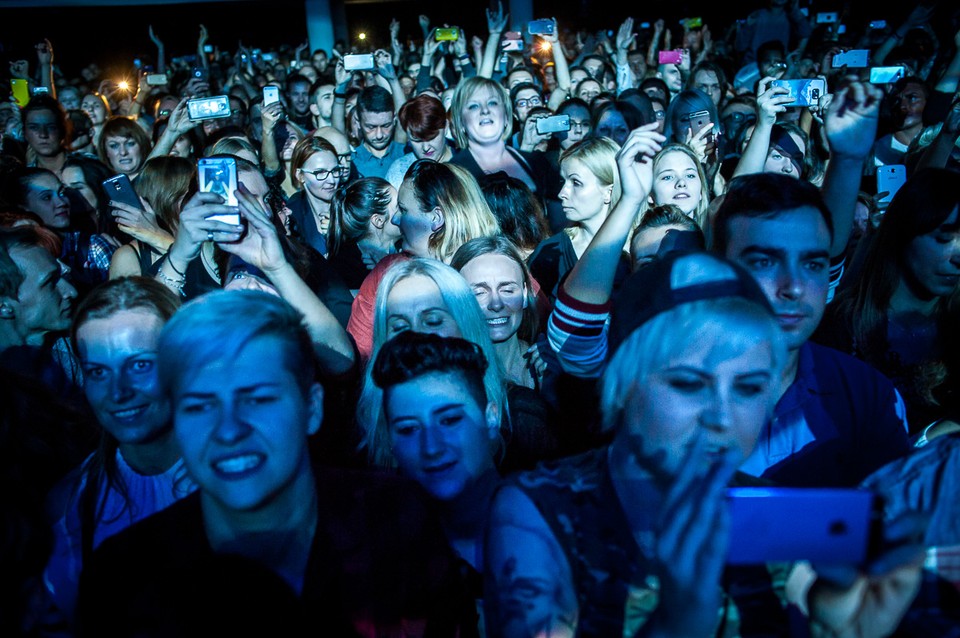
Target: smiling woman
[(136, 471)]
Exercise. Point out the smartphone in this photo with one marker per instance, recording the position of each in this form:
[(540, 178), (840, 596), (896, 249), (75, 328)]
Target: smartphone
[(359, 62), (512, 45), (219, 175), (21, 92), (540, 27), (890, 177), (669, 57), (827, 18), (137, 63), (271, 94), (878, 24), (157, 79), (38, 90), (698, 120), (513, 35), (803, 92), (208, 48), (841, 29), (854, 59), (120, 189), (821, 525), (691, 23), (267, 57), (886, 74), (447, 34), (553, 124), (200, 73), (208, 108)]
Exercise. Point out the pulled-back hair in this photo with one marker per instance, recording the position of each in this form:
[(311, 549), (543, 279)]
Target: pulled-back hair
[(352, 208), (455, 192)]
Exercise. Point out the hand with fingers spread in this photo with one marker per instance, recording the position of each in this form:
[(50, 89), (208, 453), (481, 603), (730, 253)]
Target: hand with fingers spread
[(692, 536), (703, 142), (497, 20), (851, 120), (384, 63), (430, 46), (44, 53), (625, 37), (260, 246), (635, 162)]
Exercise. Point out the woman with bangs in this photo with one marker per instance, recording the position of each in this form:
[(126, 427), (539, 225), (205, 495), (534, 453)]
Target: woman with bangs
[(679, 179), (440, 208), (425, 122), (123, 146), (316, 170), (163, 186)]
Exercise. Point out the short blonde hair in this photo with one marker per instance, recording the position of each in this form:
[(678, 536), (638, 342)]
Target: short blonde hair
[(599, 155), (464, 92)]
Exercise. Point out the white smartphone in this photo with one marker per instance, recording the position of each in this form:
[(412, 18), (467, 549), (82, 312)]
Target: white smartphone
[(271, 95)]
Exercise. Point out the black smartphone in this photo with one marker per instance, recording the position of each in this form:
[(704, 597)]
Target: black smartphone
[(119, 188)]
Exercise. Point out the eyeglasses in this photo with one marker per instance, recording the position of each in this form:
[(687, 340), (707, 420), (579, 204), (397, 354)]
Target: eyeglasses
[(525, 102), (321, 174), (580, 124)]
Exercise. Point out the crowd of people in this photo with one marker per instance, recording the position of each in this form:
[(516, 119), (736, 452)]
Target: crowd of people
[(481, 336)]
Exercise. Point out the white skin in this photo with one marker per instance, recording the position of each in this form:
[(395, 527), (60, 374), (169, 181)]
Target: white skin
[(415, 303), (484, 117), (434, 148), (676, 181), (646, 243), (777, 162), (416, 225), (46, 199), (94, 108), (320, 191), (123, 154), (73, 178)]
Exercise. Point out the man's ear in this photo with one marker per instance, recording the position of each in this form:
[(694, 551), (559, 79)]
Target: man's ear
[(315, 408), (437, 220), (314, 110)]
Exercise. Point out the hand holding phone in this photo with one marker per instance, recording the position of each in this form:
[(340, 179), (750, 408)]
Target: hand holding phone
[(670, 57), (218, 175), (119, 188), (209, 108)]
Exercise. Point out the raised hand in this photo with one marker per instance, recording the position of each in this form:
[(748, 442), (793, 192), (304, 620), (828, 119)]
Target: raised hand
[(153, 36), (635, 162), (497, 20), (384, 63), (851, 119), (260, 246), (771, 100), (44, 53)]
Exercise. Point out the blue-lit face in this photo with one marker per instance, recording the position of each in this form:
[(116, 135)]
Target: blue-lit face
[(440, 436), (242, 424)]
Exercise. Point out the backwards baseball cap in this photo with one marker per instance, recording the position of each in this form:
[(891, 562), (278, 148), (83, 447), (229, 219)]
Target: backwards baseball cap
[(674, 280)]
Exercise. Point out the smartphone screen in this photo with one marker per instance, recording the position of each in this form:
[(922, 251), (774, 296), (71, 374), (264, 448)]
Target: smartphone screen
[(218, 175), (21, 92), (271, 95)]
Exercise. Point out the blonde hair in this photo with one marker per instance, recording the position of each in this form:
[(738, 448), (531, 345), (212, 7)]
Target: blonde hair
[(466, 214), (461, 303), (599, 156), (463, 93), (698, 215)]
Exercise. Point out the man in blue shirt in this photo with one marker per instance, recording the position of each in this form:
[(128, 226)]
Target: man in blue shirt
[(376, 114), (838, 419)]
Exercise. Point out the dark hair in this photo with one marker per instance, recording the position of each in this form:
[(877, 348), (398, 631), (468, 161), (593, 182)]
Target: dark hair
[(765, 195), (659, 85), (523, 86), (28, 236), (44, 102), (16, 184), (94, 173), (572, 102), (410, 355), (352, 208), (374, 99), (296, 78), (711, 67), (770, 46), (517, 209), (641, 101), (630, 113), (924, 202), (79, 123), (676, 120), (423, 117)]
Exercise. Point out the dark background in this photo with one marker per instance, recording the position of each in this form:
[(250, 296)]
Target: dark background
[(113, 36)]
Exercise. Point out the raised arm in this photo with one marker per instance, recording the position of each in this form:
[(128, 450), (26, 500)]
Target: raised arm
[(496, 23), (561, 68), (161, 56), (770, 101), (178, 124), (260, 247), (528, 584), (851, 128), (270, 116), (338, 113), (45, 62), (625, 37), (201, 41)]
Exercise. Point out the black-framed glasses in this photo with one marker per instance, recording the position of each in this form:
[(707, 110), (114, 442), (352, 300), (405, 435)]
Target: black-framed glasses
[(525, 102), (321, 174), (579, 124)]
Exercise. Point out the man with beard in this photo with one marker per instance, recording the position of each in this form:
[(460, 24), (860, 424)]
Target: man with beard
[(378, 122)]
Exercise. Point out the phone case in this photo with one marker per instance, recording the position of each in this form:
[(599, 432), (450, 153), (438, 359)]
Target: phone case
[(120, 189), (21, 92), (890, 178)]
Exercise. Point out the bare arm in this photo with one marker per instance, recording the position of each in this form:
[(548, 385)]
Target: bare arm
[(338, 113), (496, 22), (528, 583), (270, 116), (770, 101), (161, 57), (45, 61), (561, 69), (851, 128), (178, 124)]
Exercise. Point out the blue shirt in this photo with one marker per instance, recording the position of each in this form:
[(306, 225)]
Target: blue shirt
[(370, 166), (839, 421)]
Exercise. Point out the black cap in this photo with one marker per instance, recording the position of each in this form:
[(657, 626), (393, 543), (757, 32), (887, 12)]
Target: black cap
[(657, 288)]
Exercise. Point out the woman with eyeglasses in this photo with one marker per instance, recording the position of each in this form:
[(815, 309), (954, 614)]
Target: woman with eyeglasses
[(316, 170)]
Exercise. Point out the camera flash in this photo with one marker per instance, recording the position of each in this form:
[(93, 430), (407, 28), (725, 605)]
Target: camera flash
[(123, 86)]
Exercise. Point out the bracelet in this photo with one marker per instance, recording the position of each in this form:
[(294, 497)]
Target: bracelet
[(174, 268), (171, 282)]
